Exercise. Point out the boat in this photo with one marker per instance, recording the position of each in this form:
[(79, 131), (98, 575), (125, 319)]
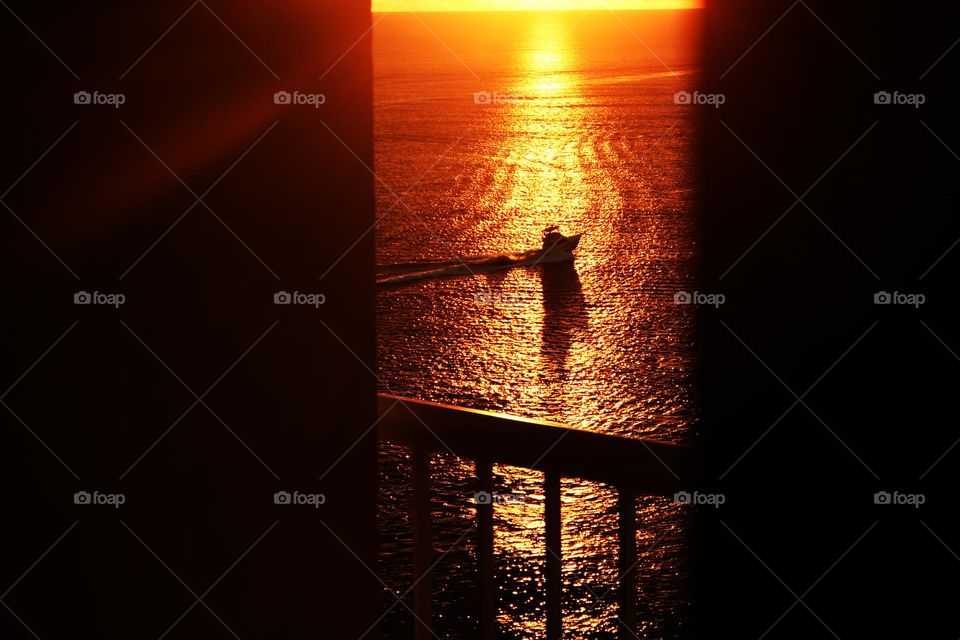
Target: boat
[(556, 247), (555, 242)]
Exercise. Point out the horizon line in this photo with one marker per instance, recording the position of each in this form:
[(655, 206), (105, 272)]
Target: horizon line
[(540, 10)]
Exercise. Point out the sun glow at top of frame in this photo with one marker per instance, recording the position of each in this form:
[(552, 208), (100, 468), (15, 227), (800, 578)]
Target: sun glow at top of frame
[(531, 5)]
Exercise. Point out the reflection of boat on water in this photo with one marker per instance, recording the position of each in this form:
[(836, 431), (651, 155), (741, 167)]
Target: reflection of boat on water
[(556, 247), (565, 321)]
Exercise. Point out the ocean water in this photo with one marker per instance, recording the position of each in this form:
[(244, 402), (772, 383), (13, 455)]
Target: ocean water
[(490, 127)]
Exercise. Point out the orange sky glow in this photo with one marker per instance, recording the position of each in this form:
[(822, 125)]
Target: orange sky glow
[(532, 5)]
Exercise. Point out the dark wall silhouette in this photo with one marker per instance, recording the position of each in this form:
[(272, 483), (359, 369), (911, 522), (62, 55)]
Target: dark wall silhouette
[(877, 188), (198, 199)]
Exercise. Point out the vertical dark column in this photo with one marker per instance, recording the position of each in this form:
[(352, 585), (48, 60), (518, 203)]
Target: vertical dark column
[(554, 546), (627, 561), (188, 332), (827, 175), (423, 545), (487, 566)]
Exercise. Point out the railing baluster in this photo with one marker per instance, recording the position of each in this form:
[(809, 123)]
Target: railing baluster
[(627, 534), (488, 587), (551, 483), (422, 545), (636, 467)]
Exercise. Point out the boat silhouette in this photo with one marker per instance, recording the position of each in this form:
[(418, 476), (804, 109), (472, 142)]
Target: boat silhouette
[(555, 247)]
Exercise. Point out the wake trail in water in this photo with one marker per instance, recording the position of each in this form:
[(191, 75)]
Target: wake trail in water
[(393, 274)]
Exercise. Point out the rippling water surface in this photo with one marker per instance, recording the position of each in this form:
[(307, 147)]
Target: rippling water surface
[(489, 127)]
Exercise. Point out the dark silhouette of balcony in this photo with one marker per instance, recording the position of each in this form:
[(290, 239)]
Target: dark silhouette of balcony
[(635, 467)]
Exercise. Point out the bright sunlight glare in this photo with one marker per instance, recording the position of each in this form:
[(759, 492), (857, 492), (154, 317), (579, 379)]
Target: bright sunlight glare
[(531, 5)]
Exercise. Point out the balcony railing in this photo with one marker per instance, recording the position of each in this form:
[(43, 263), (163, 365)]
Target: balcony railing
[(635, 467)]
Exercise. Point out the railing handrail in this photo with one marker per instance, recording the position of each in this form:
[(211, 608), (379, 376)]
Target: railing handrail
[(634, 466), (647, 466)]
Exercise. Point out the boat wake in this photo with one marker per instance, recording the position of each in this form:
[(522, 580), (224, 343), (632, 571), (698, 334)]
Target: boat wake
[(394, 274)]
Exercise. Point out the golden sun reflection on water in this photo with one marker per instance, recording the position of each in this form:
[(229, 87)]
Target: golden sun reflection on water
[(552, 168), (542, 174), (582, 132), (550, 174)]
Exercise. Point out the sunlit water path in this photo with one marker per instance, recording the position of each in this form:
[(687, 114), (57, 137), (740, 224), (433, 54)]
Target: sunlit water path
[(492, 127)]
